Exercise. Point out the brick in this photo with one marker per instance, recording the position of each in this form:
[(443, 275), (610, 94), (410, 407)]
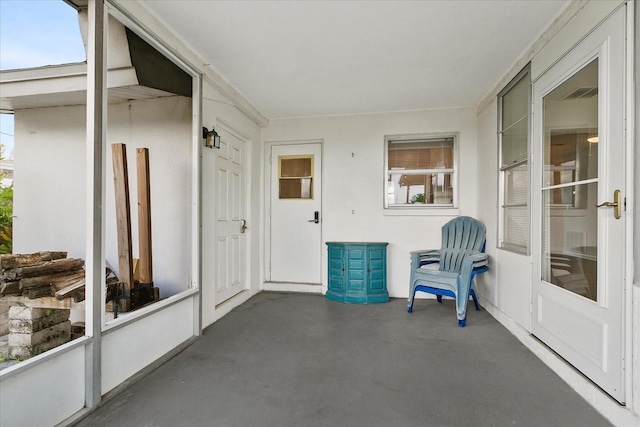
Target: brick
[(4, 319), (28, 313), (24, 352), (25, 326), (55, 333)]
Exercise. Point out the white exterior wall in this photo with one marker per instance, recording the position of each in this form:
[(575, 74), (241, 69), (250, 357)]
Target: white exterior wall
[(507, 289), (353, 179), (50, 182)]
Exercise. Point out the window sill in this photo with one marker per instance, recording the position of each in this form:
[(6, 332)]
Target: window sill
[(421, 211), (132, 316), (514, 249)]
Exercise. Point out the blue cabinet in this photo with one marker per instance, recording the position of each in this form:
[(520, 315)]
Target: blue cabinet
[(357, 272)]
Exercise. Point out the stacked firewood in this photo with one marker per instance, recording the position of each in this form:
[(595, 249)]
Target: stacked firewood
[(42, 274)]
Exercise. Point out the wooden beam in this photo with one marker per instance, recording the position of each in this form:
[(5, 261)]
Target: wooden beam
[(123, 215), (23, 260), (73, 288), (45, 302), (66, 265), (56, 280), (144, 216)]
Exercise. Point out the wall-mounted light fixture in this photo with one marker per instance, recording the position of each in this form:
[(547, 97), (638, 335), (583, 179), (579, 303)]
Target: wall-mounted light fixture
[(593, 139), (211, 137)]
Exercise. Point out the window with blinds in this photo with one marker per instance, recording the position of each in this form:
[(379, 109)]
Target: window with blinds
[(420, 172), (514, 112)]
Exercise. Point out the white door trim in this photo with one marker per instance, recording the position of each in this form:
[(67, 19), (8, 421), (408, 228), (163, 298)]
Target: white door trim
[(631, 352)]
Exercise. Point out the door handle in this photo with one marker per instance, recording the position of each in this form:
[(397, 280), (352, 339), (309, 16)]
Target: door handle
[(616, 204), (243, 225), (316, 217)]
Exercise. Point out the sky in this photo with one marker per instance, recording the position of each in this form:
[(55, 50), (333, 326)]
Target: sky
[(34, 33)]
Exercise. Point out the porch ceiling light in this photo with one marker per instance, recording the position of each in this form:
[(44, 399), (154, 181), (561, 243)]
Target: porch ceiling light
[(211, 137), (593, 139)]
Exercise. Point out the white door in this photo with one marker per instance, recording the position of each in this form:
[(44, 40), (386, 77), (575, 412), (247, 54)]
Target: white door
[(578, 248), (296, 247), (229, 210)]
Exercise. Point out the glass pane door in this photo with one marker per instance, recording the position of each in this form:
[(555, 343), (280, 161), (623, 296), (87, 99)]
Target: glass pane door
[(578, 252)]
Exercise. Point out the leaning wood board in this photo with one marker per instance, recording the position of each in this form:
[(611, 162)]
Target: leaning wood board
[(145, 273), (123, 215)]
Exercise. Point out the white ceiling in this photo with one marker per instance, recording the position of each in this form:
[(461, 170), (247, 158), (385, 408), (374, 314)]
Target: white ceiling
[(311, 58)]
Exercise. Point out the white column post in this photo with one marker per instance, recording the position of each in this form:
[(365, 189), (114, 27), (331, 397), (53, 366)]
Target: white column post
[(96, 152)]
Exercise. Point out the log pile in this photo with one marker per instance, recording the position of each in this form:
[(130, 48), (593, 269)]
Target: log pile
[(42, 274)]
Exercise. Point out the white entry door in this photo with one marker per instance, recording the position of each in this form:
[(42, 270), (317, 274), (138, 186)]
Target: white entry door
[(578, 248), (296, 247), (229, 211)]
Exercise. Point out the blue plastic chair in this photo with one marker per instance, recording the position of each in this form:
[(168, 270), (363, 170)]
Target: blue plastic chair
[(460, 259)]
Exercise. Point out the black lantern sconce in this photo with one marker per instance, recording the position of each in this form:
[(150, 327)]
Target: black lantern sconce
[(211, 137)]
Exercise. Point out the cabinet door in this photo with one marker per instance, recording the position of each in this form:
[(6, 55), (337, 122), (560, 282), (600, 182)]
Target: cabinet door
[(377, 269), (356, 269), (336, 268)]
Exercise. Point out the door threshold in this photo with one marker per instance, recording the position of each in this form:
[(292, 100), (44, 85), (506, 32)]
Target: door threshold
[(231, 298), (310, 288)]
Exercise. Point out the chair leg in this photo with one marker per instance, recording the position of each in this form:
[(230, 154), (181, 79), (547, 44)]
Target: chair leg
[(475, 299), (412, 295)]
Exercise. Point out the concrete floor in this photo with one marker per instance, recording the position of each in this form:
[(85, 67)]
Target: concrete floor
[(299, 360)]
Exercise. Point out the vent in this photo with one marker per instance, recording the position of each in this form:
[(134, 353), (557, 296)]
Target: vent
[(582, 92)]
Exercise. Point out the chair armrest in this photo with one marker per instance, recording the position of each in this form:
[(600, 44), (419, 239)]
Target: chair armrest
[(424, 257), (471, 262), (477, 260)]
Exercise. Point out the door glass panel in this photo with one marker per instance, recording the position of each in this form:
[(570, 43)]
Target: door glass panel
[(570, 244), (570, 184), (295, 176)]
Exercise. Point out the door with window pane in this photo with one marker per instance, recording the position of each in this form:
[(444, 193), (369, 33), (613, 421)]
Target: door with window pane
[(579, 249), (295, 242)]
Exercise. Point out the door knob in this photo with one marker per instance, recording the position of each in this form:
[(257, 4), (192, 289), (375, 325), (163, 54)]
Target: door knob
[(316, 217), (243, 225), (616, 204)]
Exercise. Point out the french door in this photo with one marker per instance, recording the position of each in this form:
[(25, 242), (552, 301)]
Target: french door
[(578, 242)]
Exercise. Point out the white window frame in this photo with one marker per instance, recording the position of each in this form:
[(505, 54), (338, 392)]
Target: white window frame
[(525, 73), (422, 209)]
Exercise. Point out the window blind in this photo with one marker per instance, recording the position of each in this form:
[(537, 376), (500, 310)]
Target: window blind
[(514, 148)]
